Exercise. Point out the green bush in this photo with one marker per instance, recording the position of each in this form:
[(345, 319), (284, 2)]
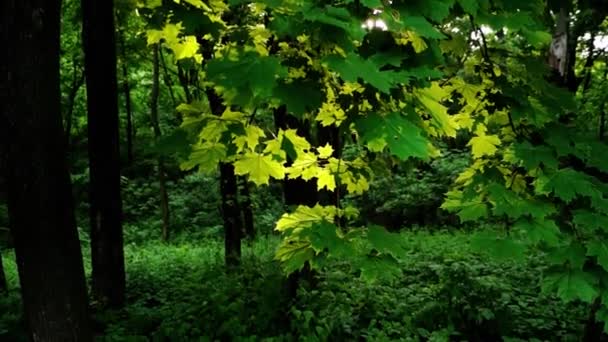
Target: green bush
[(412, 194), (445, 292)]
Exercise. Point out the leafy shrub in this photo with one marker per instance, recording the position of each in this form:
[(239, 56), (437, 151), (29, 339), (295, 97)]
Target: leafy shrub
[(412, 195)]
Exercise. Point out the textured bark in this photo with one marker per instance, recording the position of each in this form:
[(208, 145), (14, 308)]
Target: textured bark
[(245, 199), (164, 197), (126, 89), (107, 256), (40, 202), (3, 285)]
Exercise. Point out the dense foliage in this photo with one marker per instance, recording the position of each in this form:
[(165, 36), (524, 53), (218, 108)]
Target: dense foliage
[(397, 170)]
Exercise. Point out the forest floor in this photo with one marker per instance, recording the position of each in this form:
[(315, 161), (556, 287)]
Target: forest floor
[(183, 292)]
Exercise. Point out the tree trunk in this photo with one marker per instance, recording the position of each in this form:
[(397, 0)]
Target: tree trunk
[(231, 214), (3, 285), (562, 60), (296, 191), (248, 221), (107, 256), (40, 202), (164, 197), (77, 81), (126, 88)]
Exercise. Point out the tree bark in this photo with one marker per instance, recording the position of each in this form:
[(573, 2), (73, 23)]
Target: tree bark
[(248, 221), (107, 256), (231, 214), (126, 88), (164, 197), (3, 284), (40, 201)]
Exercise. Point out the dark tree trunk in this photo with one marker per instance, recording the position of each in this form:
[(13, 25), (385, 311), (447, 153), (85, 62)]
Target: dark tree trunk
[(107, 256), (184, 82), (126, 88), (164, 197), (231, 212), (3, 285), (296, 191), (40, 202), (245, 197)]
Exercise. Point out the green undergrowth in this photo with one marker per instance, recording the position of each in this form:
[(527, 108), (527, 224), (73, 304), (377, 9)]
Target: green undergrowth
[(182, 292)]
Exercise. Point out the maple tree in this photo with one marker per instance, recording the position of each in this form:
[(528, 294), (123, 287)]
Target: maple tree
[(414, 74)]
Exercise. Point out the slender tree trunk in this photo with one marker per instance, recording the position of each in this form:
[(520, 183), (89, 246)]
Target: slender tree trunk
[(232, 215), (164, 197), (77, 82), (40, 202), (231, 212), (107, 256), (183, 81), (167, 77), (602, 119), (3, 285), (248, 221), (126, 88)]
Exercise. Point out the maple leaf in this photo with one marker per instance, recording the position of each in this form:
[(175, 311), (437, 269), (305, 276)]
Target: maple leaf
[(599, 249), (571, 285), (304, 217), (325, 179), (206, 156), (568, 183), (402, 137), (484, 145), (260, 167), (325, 151), (431, 98)]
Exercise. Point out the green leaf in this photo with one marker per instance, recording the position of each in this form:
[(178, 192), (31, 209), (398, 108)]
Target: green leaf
[(352, 67), (469, 6), (466, 209), (535, 156), (247, 78), (498, 247), (539, 231), (568, 183), (422, 27), (485, 145), (506, 202), (293, 254), (599, 249), (299, 96), (572, 285), (385, 242), (259, 167), (382, 267), (403, 138), (589, 222)]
